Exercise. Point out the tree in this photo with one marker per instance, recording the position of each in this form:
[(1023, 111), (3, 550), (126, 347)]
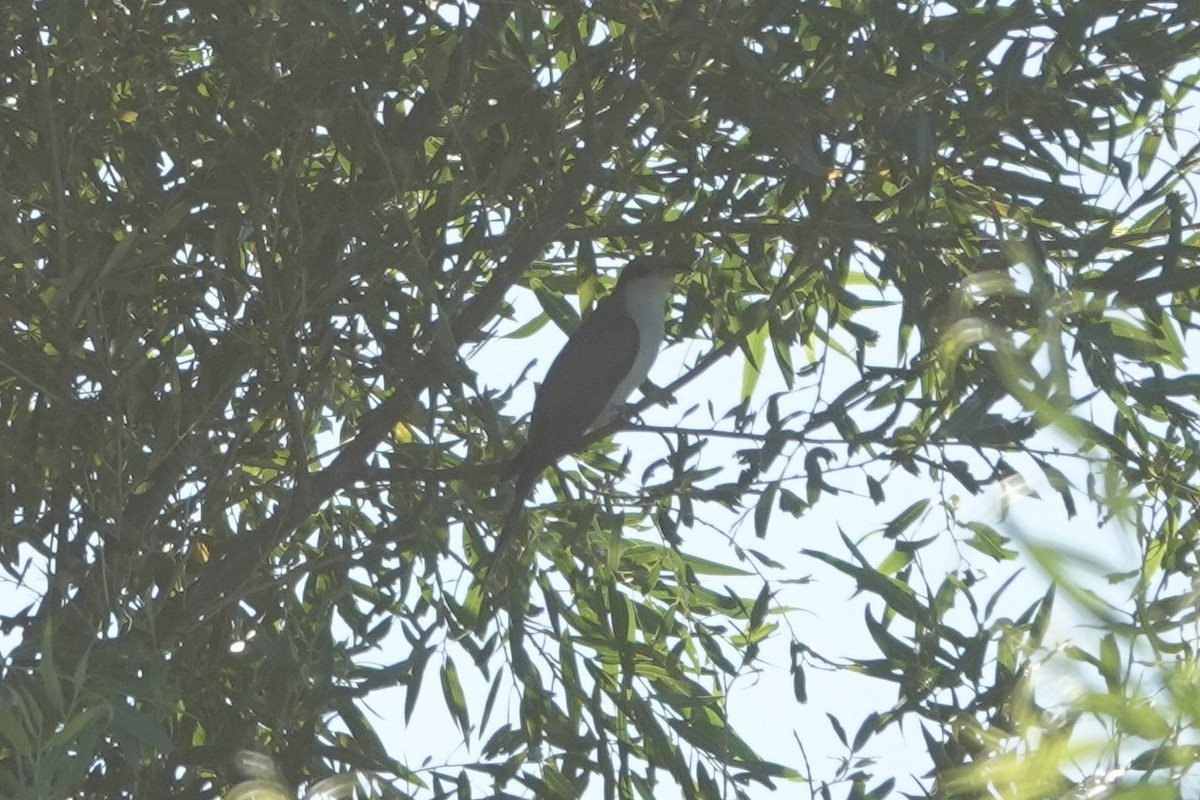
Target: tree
[(250, 251)]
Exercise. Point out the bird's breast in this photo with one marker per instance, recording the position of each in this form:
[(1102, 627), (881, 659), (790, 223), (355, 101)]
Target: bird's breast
[(646, 311)]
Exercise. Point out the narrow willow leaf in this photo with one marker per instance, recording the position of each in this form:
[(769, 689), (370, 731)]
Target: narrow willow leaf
[(456, 701), (905, 519), (762, 509), (754, 348)]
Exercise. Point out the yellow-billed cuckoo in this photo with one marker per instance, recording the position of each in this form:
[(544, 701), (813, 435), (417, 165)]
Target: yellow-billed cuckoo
[(606, 358)]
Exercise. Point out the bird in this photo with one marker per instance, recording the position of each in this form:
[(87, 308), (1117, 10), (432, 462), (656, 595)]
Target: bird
[(603, 361)]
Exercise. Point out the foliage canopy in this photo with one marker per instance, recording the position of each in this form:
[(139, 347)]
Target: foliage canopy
[(253, 256)]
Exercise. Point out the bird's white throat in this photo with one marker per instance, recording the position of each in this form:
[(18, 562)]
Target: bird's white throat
[(644, 302)]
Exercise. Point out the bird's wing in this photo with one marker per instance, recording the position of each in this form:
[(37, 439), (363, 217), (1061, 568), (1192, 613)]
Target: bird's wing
[(573, 396)]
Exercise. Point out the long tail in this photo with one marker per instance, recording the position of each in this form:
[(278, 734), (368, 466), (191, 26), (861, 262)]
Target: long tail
[(510, 530)]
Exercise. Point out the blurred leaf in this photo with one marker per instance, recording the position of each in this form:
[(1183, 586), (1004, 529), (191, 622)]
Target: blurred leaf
[(989, 541), (456, 701), (905, 519)]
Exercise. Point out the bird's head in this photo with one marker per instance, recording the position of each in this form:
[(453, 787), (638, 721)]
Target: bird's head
[(650, 272)]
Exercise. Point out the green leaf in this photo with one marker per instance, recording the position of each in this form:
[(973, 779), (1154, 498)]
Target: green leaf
[(895, 594), (763, 508), (755, 348), (456, 701), (1147, 153), (95, 717), (1110, 663), (896, 560), (556, 307), (13, 731), (1134, 717), (838, 731), (759, 612), (905, 519), (990, 542), (621, 613), (799, 683), (1185, 385), (529, 328), (1172, 757), (1059, 482)]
